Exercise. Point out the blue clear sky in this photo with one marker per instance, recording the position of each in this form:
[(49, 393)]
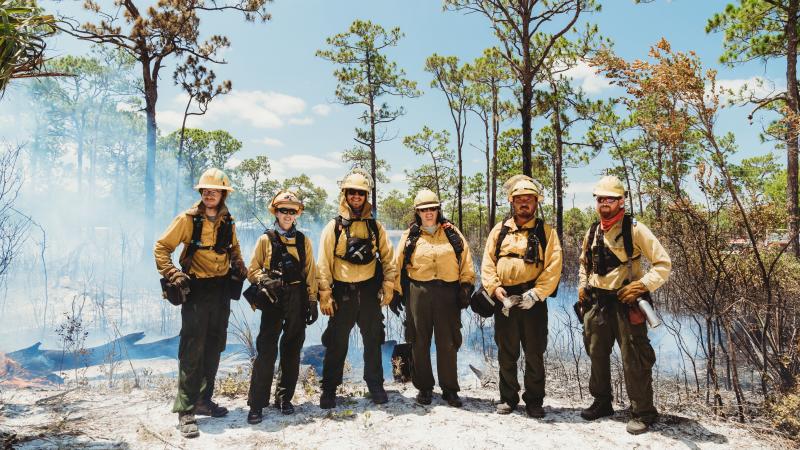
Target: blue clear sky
[(282, 100)]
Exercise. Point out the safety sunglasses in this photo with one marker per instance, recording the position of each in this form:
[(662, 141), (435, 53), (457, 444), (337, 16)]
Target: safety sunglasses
[(429, 209), (355, 192), (212, 192), (288, 211), (608, 199)]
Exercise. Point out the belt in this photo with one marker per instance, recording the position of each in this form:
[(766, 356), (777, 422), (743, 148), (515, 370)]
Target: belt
[(519, 289), (603, 297), (358, 284), (210, 281), (436, 282)]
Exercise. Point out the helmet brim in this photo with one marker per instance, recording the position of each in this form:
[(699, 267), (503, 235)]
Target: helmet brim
[(608, 193), (539, 197), (213, 186)]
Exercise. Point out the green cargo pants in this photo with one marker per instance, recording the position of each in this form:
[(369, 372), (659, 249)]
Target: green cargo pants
[(604, 323), (356, 303), (527, 328), (434, 307), (204, 332), (289, 316)]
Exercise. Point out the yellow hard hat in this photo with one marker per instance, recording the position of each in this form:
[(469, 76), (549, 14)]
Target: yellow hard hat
[(523, 185), (214, 179), (286, 199), (426, 198), (609, 186), (357, 179)]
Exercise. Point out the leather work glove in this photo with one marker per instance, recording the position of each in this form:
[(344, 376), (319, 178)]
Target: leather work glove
[(397, 303), (179, 279), (312, 313), (464, 292), (583, 294), (271, 288), (326, 303), (241, 268), (509, 302), (631, 292), (529, 298), (386, 293)]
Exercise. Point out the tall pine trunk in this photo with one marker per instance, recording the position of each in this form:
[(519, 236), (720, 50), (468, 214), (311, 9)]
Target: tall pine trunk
[(793, 103), (151, 97)]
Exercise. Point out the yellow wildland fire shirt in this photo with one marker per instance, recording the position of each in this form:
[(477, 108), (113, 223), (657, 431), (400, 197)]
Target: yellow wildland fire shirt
[(510, 271), (206, 263), (434, 259), (644, 244), (262, 255), (330, 265)]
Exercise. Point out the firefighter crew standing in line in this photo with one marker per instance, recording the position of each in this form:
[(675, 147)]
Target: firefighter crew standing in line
[(435, 279), (611, 282), (211, 250), (356, 275), (282, 264), (521, 267)]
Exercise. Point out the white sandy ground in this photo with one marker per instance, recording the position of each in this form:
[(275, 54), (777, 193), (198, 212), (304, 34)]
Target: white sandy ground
[(96, 416)]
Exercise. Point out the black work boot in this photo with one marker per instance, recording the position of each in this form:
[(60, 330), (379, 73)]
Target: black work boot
[(327, 400), (537, 412), (598, 409), (452, 399), (378, 395), (286, 407), (209, 408), (254, 416), (424, 397)]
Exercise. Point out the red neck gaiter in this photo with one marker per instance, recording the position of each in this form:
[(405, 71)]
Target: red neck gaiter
[(606, 224)]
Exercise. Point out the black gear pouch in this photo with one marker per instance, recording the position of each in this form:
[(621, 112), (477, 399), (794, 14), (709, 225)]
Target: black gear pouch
[(359, 251)]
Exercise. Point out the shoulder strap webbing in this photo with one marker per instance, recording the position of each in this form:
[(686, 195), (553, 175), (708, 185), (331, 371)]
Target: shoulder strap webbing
[(277, 248), (500, 237), (337, 231), (224, 238), (589, 245), (627, 235), (194, 243), (414, 233), (538, 230), (455, 241), (300, 244)]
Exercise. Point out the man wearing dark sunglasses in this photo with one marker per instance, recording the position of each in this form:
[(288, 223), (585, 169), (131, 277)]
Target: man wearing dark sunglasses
[(611, 282), (282, 263), (356, 278)]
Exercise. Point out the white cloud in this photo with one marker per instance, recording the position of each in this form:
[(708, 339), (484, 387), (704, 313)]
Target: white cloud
[(321, 109), (330, 184), (307, 162), (590, 81), (336, 156), (259, 109), (169, 120), (301, 121), (269, 142), (757, 86)]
